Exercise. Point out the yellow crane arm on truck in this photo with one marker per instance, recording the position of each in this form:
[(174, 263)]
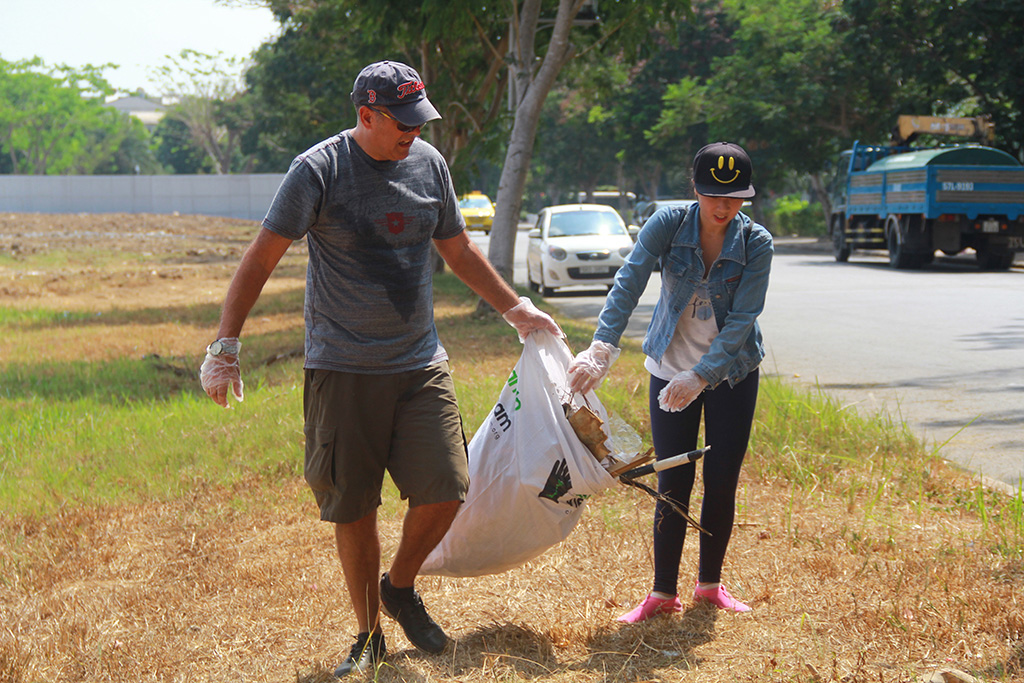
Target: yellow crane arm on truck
[(909, 127)]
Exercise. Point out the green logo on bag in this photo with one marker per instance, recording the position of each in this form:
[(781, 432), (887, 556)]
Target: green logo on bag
[(513, 380)]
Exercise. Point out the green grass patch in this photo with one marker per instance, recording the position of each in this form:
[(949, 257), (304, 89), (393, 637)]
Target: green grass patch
[(130, 429), (11, 317)]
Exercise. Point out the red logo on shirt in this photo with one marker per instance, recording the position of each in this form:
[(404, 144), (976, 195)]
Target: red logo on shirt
[(394, 222)]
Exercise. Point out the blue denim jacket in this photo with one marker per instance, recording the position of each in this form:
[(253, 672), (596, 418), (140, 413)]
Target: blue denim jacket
[(737, 283)]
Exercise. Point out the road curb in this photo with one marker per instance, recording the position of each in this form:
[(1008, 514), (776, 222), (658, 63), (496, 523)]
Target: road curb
[(802, 245)]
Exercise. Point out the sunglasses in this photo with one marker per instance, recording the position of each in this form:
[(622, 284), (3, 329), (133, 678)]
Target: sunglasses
[(402, 128)]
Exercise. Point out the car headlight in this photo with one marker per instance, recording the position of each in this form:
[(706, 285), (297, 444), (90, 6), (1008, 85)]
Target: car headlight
[(557, 253), (624, 252)]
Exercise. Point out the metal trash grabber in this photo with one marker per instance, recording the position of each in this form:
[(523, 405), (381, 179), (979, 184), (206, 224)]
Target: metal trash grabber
[(629, 479)]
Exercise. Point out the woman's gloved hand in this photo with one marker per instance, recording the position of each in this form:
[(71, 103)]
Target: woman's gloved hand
[(220, 373), (681, 391), (590, 366), (527, 318)]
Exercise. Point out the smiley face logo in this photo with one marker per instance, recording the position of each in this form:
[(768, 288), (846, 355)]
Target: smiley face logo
[(721, 169)]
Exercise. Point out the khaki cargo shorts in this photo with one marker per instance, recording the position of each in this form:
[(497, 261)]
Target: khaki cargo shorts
[(358, 426)]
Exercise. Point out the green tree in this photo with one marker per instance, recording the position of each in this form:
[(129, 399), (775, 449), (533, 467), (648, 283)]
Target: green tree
[(786, 92), (467, 54), (300, 83), (53, 121), (958, 58), (626, 94), (175, 149), (577, 146), (211, 104), (675, 60)]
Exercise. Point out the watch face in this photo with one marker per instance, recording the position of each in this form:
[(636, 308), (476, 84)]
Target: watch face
[(216, 348)]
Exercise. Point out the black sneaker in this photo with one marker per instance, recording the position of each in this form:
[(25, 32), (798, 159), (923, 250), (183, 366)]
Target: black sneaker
[(366, 655), (412, 616)]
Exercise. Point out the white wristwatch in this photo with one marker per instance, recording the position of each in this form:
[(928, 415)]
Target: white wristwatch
[(222, 348)]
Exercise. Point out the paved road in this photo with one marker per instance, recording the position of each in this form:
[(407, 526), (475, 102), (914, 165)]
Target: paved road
[(941, 348)]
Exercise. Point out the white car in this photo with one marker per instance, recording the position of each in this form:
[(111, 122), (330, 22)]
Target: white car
[(574, 245)]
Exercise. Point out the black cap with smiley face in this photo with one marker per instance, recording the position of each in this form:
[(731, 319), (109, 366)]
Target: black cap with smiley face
[(722, 169)]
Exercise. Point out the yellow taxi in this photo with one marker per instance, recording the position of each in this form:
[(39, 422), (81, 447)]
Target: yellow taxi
[(477, 210)]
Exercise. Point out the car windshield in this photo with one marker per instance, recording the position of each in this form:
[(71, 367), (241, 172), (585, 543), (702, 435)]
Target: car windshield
[(572, 223), (474, 203)]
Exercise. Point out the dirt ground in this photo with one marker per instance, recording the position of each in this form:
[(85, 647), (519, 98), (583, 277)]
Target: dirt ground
[(184, 256), (104, 263), (849, 587)]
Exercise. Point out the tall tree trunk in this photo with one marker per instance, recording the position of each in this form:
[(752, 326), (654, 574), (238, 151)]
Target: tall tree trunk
[(531, 89), (821, 189)]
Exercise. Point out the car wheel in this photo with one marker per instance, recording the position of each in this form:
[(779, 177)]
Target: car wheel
[(534, 287), (544, 289)]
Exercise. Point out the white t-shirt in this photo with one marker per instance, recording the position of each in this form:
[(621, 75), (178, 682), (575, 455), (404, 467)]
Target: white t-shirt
[(695, 331)]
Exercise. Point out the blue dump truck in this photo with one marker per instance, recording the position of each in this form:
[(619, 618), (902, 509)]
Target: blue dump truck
[(916, 201)]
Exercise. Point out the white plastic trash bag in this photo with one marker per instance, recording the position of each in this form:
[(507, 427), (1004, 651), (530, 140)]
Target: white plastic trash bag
[(529, 472)]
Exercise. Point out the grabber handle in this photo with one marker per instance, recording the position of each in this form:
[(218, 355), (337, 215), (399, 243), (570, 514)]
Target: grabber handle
[(667, 463)]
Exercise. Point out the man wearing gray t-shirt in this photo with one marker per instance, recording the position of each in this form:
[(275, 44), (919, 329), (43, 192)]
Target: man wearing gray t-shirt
[(378, 396)]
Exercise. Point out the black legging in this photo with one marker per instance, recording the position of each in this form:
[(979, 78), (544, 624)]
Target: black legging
[(728, 415)]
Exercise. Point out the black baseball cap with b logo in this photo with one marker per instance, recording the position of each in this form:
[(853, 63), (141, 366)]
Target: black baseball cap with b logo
[(722, 169), (396, 86)]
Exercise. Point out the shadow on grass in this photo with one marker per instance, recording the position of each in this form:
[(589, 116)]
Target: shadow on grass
[(149, 377), (471, 338), (287, 301), (506, 651), (116, 382), (644, 651)]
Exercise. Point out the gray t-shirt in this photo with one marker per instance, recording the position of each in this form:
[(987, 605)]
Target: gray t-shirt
[(369, 297)]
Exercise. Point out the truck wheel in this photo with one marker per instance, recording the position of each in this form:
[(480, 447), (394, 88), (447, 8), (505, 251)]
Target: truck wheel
[(840, 246), (898, 256), (994, 258)]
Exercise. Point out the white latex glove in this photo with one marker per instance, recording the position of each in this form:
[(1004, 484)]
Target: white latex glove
[(218, 374), (526, 318), (681, 391), (590, 366)]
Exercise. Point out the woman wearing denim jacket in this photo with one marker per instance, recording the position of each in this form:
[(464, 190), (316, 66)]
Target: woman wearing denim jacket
[(703, 349)]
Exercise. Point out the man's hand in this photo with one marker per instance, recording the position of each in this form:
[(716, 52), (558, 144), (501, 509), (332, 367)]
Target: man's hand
[(681, 391), (589, 368), (219, 374), (527, 318)]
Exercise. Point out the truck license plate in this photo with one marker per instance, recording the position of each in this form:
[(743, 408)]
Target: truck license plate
[(990, 225), (593, 270)]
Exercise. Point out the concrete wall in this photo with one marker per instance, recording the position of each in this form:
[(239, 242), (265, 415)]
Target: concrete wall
[(233, 196)]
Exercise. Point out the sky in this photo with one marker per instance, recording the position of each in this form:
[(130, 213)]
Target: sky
[(134, 34)]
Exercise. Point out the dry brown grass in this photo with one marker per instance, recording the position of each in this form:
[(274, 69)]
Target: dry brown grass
[(241, 583), (196, 590)]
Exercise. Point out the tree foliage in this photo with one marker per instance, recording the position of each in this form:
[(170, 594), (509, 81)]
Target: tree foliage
[(960, 58), (301, 83), (211, 104), (53, 121)]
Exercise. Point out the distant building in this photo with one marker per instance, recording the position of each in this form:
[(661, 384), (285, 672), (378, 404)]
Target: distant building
[(145, 110)]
